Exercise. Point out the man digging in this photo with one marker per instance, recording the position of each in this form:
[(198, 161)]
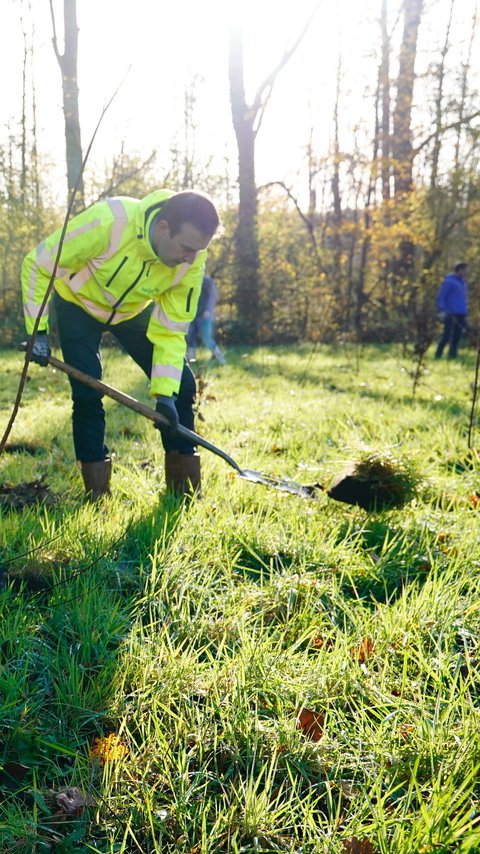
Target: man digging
[(134, 268)]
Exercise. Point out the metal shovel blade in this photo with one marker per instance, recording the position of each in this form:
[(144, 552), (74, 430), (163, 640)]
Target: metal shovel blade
[(281, 484)]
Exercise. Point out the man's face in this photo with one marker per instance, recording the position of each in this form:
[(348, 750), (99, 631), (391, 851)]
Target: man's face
[(182, 248)]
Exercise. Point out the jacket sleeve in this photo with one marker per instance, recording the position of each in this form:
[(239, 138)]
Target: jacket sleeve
[(87, 236), (442, 296), (172, 314)]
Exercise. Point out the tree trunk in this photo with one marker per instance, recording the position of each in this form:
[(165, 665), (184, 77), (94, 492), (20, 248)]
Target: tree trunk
[(466, 68), (439, 104), (402, 148), (68, 66), (247, 119), (384, 87), (337, 214), (360, 296), (246, 237), (23, 174)]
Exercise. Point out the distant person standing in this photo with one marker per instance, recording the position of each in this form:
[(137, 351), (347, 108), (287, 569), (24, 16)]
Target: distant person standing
[(202, 325), (452, 310)]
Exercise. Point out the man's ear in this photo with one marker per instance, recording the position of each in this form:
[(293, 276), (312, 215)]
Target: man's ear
[(163, 227)]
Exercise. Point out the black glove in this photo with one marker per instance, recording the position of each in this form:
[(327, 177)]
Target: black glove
[(166, 407), (41, 349)]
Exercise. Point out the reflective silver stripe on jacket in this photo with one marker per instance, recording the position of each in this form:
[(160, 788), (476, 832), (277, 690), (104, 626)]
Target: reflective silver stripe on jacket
[(180, 273), (168, 371), (46, 258), (172, 325), (88, 271)]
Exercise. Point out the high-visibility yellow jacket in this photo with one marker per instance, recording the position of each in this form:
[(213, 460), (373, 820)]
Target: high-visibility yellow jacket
[(107, 266)]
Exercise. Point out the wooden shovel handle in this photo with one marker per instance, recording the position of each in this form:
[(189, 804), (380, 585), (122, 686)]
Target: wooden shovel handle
[(146, 411)]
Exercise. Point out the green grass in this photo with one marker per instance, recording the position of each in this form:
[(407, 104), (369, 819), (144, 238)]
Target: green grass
[(196, 632)]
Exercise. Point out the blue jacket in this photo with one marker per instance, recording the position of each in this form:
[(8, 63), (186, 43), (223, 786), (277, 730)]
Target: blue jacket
[(208, 296), (452, 296)]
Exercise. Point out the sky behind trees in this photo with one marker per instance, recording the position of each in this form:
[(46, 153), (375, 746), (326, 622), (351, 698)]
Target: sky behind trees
[(161, 50)]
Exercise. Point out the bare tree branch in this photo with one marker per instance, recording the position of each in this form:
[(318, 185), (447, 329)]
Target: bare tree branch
[(457, 124), (264, 91), (114, 185), (59, 55), (306, 221)]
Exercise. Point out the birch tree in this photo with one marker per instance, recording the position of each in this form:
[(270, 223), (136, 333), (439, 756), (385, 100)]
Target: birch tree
[(67, 62)]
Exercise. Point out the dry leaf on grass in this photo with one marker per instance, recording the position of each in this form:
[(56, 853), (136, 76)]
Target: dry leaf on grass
[(311, 723), (109, 749), (72, 803), (354, 845), (364, 651), (319, 642), (405, 731)]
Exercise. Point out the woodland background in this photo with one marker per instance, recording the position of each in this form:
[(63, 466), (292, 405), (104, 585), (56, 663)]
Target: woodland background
[(355, 249)]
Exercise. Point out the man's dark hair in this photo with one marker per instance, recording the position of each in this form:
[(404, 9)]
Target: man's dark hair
[(460, 268), (190, 207)]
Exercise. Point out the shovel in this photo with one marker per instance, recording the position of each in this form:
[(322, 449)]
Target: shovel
[(136, 406), (347, 488)]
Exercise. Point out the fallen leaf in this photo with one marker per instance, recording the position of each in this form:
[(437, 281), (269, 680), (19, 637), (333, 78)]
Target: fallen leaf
[(354, 845), (364, 651), (109, 749), (319, 642), (72, 802), (311, 723), (405, 731)]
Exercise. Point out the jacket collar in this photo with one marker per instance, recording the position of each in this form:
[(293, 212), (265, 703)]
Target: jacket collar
[(146, 212)]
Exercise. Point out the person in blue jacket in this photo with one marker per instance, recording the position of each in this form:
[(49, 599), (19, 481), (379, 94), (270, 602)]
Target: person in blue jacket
[(202, 325), (452, 310)]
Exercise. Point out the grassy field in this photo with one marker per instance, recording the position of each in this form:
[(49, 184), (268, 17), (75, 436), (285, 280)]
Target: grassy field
[(251, 671)]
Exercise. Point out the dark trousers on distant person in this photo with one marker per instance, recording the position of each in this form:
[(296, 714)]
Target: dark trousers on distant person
[(80, 338), (454, 325)]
